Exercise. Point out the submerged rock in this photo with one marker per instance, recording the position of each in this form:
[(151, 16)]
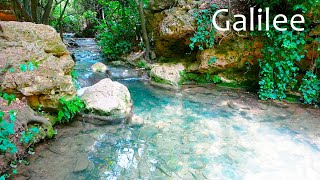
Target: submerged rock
[(82, 163), (39, 63), (136, 120), (108, 98), (167, 74)]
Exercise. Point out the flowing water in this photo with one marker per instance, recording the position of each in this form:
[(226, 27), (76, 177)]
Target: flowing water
[(200, 132)]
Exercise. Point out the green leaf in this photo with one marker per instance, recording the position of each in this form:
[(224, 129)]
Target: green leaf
[(30, 66), (23, 67)]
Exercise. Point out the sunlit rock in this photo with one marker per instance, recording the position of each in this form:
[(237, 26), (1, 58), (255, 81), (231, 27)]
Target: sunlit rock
[(136, 120), (167, 74), (108, 98)]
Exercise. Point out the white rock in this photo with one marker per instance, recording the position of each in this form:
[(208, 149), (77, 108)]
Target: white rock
[(136, 120), (168, 73), (108, 97), (99, 67)]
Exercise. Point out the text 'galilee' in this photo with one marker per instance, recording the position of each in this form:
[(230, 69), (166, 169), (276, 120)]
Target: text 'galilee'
[(241, 25)]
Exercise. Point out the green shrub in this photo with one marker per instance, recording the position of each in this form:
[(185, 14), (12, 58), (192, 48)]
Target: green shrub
[(310, 88), (278, 67), (142, 64), (69, 108), (205, 34), (6, 130), (29, 135), (282, 51)]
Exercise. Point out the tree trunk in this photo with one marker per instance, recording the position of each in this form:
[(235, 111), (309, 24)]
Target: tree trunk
[(60, 19), (24, 13), (34, 10), (47, 11), (144, 28)]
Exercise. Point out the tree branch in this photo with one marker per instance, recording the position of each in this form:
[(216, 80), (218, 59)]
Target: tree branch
[(47, 11)]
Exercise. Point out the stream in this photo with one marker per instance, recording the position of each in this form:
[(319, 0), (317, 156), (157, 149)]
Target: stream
[(200, 132)]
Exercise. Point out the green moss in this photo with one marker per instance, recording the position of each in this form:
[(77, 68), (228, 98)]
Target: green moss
[(199, 78), (159, 80), (143, 64), (50, 132)]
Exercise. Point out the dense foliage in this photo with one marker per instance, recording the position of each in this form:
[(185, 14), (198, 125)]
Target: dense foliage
[(282, 51), (7, 126), (278, 66), (119, 29)]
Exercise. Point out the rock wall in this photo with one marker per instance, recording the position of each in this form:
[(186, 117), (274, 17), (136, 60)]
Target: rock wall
[(23, 44), (171, 24)]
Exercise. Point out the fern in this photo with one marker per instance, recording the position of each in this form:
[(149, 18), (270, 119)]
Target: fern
[(69, 109)]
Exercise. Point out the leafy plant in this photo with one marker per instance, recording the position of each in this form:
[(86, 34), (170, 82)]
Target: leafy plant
[(29, 135), (69, 108), (212, 60), (216, 79), (114, 45), (6, 130), (7, 126), (29, 66), (310, 88), (282, 51), (205, 34), (278, 66), (142, 64)]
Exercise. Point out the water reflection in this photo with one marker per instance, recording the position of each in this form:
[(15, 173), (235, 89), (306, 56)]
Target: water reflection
[(186, 139)]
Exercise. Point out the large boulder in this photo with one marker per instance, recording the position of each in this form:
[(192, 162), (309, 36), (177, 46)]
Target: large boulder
[(167, 74), (177, 24), (24, 46), (172, 30), (108, 98)]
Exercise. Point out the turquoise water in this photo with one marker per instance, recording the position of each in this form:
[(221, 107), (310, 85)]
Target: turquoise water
[(187, 138), (204, 132)]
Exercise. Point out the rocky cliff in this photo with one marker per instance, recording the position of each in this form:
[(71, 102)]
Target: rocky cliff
[(171, 24), (35, 63)]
